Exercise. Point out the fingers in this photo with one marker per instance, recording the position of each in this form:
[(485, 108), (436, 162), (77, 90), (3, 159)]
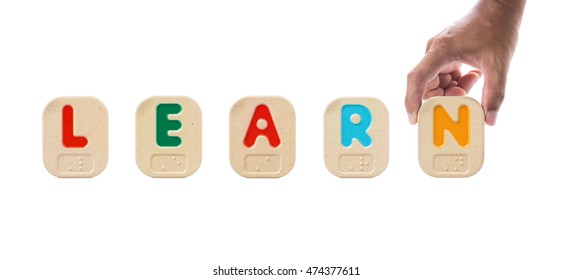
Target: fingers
[(418, 80), (463, 84), (456, 74), (455, 91), (468, 80), (451, 84), (433, 93), (493, 93), (445, 80), (434, 83)]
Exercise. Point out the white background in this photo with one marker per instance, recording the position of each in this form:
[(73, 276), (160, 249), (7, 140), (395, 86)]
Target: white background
[(510, 221)]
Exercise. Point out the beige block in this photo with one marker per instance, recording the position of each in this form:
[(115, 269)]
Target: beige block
[(262, 137), (451, 137), (168, 137), (356, 139), (75, 137)]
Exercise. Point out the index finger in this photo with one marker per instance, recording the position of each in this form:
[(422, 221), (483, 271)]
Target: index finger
[(428, 68)]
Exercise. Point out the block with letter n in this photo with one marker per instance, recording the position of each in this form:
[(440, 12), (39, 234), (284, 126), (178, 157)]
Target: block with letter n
[(451, 136)]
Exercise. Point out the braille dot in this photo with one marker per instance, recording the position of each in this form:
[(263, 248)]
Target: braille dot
[(162, 168), (267, 158), (456, 168), (178, 163), (173, 158)]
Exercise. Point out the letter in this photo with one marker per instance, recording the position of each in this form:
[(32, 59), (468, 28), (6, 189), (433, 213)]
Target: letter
[(164, 125), (262, 125), (460, 130), (356, 120), (69, 140)]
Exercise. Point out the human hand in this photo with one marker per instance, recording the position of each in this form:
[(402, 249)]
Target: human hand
[(484, 39)]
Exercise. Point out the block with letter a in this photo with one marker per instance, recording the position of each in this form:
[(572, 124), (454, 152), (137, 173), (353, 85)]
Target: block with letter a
[(262, 137), (356, 137), (168, 137), (75, 137), (451, 137)]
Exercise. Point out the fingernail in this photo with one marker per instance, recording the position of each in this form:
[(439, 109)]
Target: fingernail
[(491, 117), (412, 118), (478, 72)]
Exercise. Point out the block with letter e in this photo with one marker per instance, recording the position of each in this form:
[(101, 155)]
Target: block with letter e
[(168, 137), (451, 136)]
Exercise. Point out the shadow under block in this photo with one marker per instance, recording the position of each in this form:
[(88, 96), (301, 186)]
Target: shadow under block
[(262, 137), (168, 137), (75, 137), (451, 137), (356, 139)]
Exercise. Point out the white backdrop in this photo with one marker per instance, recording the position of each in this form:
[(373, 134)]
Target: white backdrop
[(510, 221)]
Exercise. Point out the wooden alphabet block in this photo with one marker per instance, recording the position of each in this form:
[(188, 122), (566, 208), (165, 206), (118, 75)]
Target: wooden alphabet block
[(168, 137), (451, 137), (75, 137), (356, 137), (262, 137)]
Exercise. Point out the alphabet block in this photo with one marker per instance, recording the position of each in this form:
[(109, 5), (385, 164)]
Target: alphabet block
[(262, 137), (75, 137), (168, 137), (451, 137), (356, 139)]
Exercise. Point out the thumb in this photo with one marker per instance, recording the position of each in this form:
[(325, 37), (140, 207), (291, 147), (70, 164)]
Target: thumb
[(493, 93)]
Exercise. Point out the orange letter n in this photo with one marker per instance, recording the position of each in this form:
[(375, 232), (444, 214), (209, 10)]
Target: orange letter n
[(460, 130)]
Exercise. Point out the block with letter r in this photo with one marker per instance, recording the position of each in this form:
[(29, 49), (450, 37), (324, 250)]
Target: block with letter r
[(356, 140)]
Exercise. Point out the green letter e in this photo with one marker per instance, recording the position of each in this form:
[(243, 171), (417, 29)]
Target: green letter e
[(164, 125)]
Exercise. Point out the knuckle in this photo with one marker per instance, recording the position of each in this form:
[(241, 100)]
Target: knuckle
[(443, 41), (415, 75), (430, 43)]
